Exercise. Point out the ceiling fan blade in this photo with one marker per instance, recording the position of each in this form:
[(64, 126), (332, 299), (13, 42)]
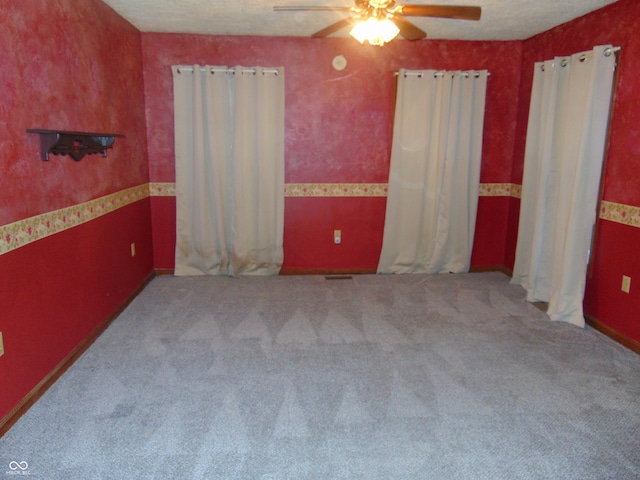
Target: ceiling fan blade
[(407, 29), (293, 8), (334, 27), (441, 11)]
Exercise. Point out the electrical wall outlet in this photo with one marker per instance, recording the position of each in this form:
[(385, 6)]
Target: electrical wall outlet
[(133, 249), (626, 284), (1, 345), (337, 237)]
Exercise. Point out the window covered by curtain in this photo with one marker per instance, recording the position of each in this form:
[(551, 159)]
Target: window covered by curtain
[(434, 173), (566, 138), (229, 143)]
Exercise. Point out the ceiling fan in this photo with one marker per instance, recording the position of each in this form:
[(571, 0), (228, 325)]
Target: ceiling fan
[(386, 12)]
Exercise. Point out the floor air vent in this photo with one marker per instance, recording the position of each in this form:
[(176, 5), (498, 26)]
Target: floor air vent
[(338, 277)]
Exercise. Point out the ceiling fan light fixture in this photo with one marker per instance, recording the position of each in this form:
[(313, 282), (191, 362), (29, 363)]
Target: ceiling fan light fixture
[(375, 31)]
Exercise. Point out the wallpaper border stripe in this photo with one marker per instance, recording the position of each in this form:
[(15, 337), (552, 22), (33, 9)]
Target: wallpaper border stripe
[(619, 213), (18, 234), (158, 189), (21, 233), (168, 189), (381, 190), (335, 190), (500, 190)]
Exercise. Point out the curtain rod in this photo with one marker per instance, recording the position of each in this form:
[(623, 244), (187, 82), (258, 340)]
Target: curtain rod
[(440, 73), (607, 52), (565, 60), (227, 70)]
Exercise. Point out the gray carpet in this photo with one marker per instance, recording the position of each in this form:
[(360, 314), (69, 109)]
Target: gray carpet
[(377, 377)]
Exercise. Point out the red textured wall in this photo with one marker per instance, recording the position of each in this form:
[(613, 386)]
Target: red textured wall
[(338, 130), (75, 66), (309, 226), (67, 65), (491, 227), (163, 219), (617, 245)]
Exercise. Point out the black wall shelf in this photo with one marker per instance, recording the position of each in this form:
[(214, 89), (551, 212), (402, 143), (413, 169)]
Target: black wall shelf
[(74, 144)]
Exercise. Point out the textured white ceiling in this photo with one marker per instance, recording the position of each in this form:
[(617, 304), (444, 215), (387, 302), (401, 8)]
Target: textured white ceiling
[(501, 19)]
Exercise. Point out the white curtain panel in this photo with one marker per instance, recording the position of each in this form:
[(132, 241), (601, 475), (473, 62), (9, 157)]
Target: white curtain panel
[(434, 173), (566, 138), (229, 143)]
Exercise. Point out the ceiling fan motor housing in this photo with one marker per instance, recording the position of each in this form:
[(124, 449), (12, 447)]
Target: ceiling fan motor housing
[(374, 7), (380, 3)]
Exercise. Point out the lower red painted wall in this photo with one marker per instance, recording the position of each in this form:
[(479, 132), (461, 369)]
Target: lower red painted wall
[(511, 234), (308, 234), (309, 226), (491, 228), (604, 300), (163, 220), (54, 292)]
